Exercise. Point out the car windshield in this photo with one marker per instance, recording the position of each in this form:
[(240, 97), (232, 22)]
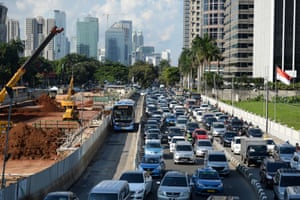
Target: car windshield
[(200, 132), (272, 167), (174, 181), (104, 196), (208, 175), (132, 177), (270, 142), (151, 160), (204, 143), (174, 140), (181, 121), (219, 158), (153, 136), (287, 150), (57, 197), (238, 141), (289, 181), (192, 126), (184, 148), (230, 134), (219, 126), (153, 145)]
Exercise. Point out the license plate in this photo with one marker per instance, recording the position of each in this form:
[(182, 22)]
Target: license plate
[(211, 191)]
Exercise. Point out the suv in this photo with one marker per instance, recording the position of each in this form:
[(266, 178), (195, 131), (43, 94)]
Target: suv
[(284, 152), (218, 161), (284, 178), (183, 153), (268, 169), (174, 185)]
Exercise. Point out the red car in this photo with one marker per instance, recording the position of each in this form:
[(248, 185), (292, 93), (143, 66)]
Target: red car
[(200, 133)]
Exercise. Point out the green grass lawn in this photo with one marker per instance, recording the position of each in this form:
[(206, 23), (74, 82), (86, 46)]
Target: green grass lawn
[(283, 113)]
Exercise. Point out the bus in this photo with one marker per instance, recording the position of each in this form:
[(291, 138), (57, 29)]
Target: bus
[(123, 115)]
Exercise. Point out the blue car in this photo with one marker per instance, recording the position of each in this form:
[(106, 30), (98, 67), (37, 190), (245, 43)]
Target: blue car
[(207, 181), (153, 164), (170, 120), (153, 147)]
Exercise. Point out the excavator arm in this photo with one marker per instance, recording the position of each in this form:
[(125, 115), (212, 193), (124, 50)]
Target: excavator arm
[(20, 72)]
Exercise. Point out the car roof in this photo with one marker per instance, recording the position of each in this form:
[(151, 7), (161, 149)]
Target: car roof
[(183, 143), (175, 174), (216, 152)]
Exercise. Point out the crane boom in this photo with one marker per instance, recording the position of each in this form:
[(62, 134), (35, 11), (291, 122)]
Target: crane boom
[(20, 72)]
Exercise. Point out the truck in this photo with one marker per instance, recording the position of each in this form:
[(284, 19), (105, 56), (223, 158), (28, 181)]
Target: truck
[(253, 150)]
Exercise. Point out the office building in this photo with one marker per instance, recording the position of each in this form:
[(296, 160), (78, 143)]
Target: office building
[(276, 41), (60, 40), (118, 42), (166, 55), (137, 40), (12, 30), (87, 37), (238, 38), (186, 24), (36, 30), (3, 16)]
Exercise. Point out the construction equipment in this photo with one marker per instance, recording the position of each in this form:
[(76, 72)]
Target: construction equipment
[(71, 112), (20, 72)]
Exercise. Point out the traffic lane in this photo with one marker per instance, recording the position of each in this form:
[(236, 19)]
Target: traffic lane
[(234, 184), (253, 169), (103, 165)]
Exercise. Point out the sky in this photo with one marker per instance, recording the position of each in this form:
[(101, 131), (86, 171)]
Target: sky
[(161, 21)]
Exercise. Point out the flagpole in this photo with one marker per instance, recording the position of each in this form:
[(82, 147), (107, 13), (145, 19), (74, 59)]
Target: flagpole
[(275, 100), (267, 110)]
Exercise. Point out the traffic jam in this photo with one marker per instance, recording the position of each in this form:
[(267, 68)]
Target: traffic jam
[(182, 130)]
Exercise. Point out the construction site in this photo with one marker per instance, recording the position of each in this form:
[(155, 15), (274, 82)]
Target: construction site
[(46, 129)]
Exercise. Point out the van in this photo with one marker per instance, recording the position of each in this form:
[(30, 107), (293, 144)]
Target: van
[(110, 189)]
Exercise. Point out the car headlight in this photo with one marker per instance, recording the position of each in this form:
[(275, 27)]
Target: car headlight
[(220, 185), (199, 184), (161, 193), (139, 191)]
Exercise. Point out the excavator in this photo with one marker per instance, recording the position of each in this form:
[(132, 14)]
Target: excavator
[(71, 112), (20, 72)]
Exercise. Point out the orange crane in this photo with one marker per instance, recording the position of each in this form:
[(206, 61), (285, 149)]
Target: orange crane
[(20, 72)]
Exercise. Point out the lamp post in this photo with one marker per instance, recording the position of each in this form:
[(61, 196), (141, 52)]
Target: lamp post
[(6, 155)]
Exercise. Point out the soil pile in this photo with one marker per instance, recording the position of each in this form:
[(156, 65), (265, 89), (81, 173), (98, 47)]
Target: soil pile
[(48, 104), (26, 142)]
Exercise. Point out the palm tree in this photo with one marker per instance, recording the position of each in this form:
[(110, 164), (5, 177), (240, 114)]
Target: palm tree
[(204, 50), (185, 64)]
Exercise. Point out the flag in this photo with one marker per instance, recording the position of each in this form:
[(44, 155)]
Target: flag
[(283, 76)]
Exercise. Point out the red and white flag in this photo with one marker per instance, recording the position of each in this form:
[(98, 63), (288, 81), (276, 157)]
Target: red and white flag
[(283, 76)]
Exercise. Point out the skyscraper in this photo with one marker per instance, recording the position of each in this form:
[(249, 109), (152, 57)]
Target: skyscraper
[(137, 40), (276, 41), (3, 16), (118, 42), (238, 38), (88, 37), (13, 30), (60, 40), (186, 24), (36, 30)]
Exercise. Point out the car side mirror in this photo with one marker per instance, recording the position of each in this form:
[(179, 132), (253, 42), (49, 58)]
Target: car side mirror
[(158, 182), (296, 159)]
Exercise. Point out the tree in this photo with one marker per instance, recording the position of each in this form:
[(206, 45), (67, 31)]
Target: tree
[(142, 73), (113, 73), (185, 64), (170, 76)]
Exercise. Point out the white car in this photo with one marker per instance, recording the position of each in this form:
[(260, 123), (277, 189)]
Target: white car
[(140, 183), (174, 140), (236, 145), (198, 116), (204, 107), (202, 146), (270, 144)]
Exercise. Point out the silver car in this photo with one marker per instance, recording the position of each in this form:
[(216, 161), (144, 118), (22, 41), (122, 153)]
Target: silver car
[(202, 146), (218, 128), (174, 185), (183, 153)]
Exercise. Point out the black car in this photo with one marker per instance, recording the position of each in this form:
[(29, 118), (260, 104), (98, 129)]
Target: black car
[(268, 169), (227, 137), (191, 126), (208, 122), (254, 132), (236, 124)]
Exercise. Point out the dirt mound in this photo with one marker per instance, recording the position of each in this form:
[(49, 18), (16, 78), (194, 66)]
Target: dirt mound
[(48, 104), (27, 142)]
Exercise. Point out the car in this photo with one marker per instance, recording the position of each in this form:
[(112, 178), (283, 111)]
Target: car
[(153, 147), (152, 136), (268, 169), (173, 142), (235, 124), (284, 151), (153, 165), (174, 185), (254, 132), (200, 133), (152, 130), (181, 123), (223, 197), (190, 127), (217, 160), (236, 145), (202, 146), (173, 131), (198, 116), (223, 118), (227, 137), (208, 122), (204, 107), (270, 144), (206, 181), (140, 183), (218, 128), (170, 120), (183, 153), (284, 178), (61, 195)]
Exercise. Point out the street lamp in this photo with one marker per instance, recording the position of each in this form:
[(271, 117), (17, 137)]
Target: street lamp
[(6, 155)]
